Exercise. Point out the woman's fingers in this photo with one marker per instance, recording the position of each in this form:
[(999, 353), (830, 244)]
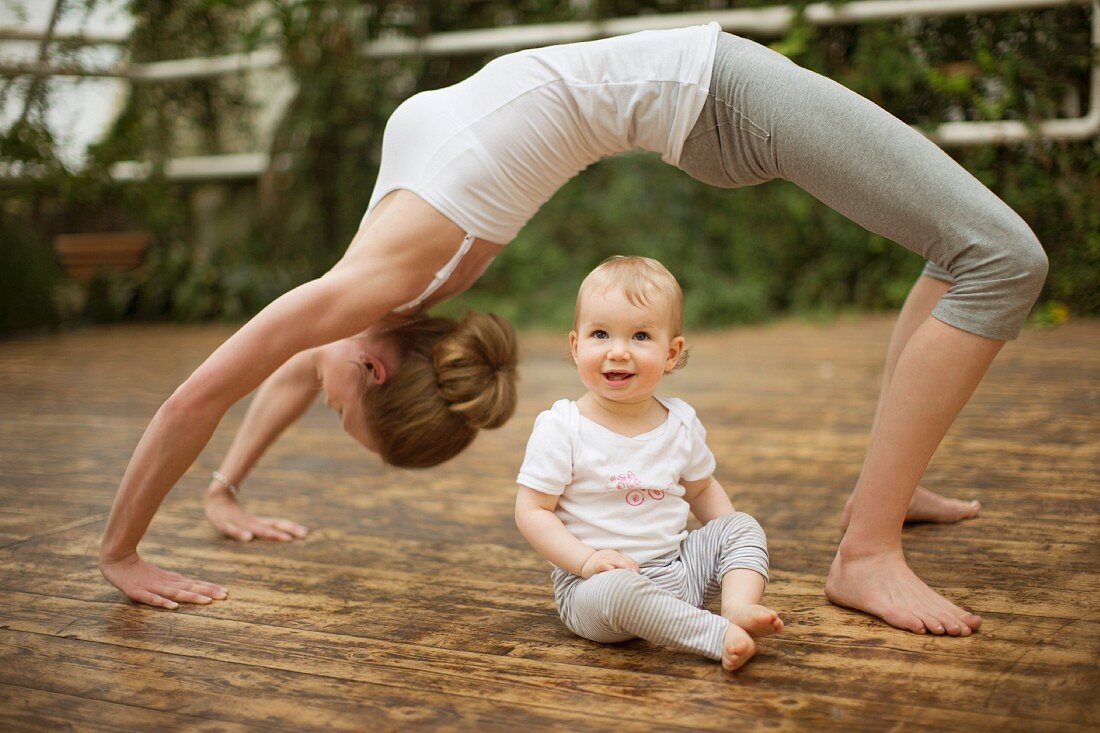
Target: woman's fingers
[(245, 527), (274, 528), (186, 596), (207, 589), (264, 528), (234, 531), (171, 596), (150, 598), (146, 583), (288, 526)]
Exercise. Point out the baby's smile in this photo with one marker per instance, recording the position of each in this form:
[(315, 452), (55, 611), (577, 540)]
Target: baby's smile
[(617, 378)]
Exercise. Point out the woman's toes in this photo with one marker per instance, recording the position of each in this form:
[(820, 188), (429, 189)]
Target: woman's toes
[(931, 622), (953, 614), (903, 619)]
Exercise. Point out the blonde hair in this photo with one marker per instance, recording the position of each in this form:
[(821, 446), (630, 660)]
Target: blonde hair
[(644, 281), (455, 378)]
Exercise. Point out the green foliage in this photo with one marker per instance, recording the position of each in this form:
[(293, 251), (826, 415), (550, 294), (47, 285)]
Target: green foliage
[(741, 256), (27, 273), (746, 255)]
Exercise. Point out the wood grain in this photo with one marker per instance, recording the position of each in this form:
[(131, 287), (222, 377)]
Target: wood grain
[(414, 604)]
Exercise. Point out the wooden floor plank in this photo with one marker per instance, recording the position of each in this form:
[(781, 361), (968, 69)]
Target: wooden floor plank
[(260, 570), (393, 607), (29, 708), (246, 696), (627, 696), (415, 602)]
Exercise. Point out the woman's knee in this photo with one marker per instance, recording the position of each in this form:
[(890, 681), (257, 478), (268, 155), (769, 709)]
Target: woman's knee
[(998, 275), (1006, 252), (1031, 263)]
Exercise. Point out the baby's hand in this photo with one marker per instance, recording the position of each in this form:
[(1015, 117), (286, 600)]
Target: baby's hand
[(604, 560)]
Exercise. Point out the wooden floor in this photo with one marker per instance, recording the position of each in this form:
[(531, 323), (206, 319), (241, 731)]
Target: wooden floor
[(415, 604)]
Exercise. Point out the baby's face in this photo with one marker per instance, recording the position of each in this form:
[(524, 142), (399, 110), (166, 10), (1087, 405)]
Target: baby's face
[(622, 350)]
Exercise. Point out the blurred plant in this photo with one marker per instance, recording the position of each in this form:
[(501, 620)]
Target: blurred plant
[(741, 255)]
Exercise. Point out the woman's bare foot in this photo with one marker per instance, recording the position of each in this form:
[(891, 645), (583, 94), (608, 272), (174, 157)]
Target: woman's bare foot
[(928, 506), (757, 620), (884, 586), (737, 647)]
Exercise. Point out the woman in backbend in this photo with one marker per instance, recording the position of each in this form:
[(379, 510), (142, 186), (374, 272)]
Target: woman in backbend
[(464, 168)]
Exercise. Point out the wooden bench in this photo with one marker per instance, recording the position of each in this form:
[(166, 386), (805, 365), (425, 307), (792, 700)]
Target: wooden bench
[(82, 255)]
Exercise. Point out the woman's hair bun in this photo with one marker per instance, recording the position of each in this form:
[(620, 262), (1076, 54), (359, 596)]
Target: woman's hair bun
[(476, 369)]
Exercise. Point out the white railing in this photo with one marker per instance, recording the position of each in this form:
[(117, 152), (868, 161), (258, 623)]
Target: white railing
[(766, 22)]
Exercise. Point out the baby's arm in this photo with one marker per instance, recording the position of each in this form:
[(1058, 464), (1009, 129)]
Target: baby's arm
[(552, 541), (707, 499)]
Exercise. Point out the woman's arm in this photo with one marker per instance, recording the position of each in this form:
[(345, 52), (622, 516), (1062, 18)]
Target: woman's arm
[(280, 400), (552, 541), (707, 499), (378, 273)]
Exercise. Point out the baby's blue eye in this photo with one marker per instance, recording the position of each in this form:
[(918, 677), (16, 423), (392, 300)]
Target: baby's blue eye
[(599, 334), (642, 336)]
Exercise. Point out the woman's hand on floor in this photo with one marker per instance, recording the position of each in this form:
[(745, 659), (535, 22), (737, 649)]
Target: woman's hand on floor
[(146, 583), (235, 522), (604, 560)]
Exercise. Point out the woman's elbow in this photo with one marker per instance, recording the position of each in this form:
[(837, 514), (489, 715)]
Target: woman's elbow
[(194, 399)]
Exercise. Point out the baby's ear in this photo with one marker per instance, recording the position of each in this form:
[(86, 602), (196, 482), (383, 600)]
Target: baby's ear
[(675, 354), (573, 346)]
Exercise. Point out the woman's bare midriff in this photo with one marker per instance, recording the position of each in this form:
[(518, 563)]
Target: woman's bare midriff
[(433, 224)]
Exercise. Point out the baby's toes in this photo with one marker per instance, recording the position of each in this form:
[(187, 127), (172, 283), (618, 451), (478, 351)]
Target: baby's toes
[(737, 647), (765, 621), (736, 655)]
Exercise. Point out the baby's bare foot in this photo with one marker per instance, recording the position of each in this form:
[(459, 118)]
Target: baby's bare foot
[(884, 586), (757, 620), (928, 506), (737, 647)]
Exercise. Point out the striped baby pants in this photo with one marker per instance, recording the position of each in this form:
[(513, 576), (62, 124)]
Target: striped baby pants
[(663, 603)]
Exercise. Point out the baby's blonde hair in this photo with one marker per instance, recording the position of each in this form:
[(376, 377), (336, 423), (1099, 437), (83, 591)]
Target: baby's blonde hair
[(643, 280)]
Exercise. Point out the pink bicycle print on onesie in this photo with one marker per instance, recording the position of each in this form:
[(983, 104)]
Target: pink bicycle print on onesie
[(629, 482)]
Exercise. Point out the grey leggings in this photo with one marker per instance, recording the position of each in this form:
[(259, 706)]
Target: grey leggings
[(662, 603), (766, 117)]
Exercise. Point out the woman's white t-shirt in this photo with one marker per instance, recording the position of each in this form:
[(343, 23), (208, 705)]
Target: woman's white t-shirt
[(489, 151), (617, 492)]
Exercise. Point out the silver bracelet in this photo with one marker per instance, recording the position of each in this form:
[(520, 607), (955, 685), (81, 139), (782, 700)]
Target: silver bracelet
[(221, 479)]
